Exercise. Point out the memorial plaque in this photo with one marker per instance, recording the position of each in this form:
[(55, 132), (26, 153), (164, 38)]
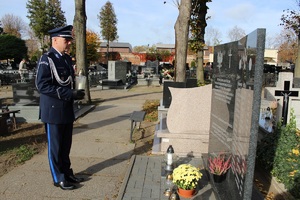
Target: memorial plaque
[(236, 96)]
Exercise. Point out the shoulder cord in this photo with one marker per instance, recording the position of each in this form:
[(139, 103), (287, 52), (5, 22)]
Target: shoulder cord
[(54, 71)]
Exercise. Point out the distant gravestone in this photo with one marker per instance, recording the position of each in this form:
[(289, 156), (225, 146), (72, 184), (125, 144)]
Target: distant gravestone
[(152, 66), (25, 93), (286, 93), (288, 97), (236, 99), (118, 70)]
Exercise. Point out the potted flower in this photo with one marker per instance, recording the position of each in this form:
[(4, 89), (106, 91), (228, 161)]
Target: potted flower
[(218, 165), (186, 178)]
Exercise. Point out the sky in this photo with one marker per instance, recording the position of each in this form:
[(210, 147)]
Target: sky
[(148, 22)]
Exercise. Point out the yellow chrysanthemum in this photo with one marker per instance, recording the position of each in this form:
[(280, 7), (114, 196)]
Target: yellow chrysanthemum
[(292, 173), (295, 151), (186, 176)]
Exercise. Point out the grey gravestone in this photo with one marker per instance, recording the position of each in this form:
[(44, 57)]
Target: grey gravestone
[(296, 82), (118, 70), (286, 97), (286, 93), (25, 93), (152, 66), (236, 98)]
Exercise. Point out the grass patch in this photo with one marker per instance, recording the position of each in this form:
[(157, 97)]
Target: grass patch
[(150, 107), (24, 153)]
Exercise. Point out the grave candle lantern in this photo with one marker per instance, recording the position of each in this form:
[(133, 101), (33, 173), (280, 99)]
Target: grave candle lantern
[(170, 158)]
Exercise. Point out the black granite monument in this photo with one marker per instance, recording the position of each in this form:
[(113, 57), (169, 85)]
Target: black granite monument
[(236, 98)]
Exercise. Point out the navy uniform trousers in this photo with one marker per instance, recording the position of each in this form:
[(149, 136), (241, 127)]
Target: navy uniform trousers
[(59, 138)]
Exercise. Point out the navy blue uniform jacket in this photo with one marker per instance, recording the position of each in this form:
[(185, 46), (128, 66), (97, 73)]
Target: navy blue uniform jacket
[(56, 100)]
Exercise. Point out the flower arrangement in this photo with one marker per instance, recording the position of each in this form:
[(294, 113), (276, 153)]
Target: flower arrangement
[(167, 73), (186, 176), (218, 164)]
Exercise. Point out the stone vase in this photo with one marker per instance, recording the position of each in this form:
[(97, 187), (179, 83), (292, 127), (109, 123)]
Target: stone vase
[(219, 178)]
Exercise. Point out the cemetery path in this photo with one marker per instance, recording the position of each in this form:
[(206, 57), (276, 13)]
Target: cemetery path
[(30, 137)]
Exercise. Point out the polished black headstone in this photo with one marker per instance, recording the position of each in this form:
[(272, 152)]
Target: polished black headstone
[(236, 99), (191, 82)]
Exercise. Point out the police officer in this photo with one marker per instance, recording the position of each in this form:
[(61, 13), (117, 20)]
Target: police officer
[(55, 83)]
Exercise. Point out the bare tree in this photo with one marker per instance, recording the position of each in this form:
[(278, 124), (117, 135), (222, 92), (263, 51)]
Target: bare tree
[(80, 40), (236, 33), (287, 46), (291, 20), (13, 25), (213, 36)]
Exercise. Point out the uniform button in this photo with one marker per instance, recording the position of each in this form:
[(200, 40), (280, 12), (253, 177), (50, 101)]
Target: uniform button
[(52, 106)]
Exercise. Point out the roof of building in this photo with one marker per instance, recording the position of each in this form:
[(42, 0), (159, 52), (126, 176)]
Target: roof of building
[(165, 46), (116, 45)]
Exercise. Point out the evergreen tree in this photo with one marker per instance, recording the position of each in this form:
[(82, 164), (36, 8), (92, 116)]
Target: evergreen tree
[(12, 47), (108, 23), (43, 17), (56, 15)]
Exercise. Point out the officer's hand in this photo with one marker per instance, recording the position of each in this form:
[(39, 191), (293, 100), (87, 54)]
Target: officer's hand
[(78, 94)]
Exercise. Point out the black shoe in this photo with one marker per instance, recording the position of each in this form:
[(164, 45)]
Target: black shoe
[(74, 179), (65, 185)]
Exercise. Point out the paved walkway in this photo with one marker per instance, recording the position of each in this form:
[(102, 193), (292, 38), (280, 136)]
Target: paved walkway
[(100, 153), (146, 180)]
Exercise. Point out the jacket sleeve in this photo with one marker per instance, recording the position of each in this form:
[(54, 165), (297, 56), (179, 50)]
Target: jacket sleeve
[(46, 83)]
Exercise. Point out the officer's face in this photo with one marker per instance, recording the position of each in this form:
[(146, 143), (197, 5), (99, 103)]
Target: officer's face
[(62, 44)]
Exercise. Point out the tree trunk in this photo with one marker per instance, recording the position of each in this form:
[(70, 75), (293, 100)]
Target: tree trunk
[(181, 39), (200, 72), (80, 40)]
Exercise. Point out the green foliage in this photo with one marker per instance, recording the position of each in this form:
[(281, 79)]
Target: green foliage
[(55, 14), (12, 47), (38, 17), (24, 153), (200, 83), (198, 24), (108, 22), (44, 16), (279, 152)]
